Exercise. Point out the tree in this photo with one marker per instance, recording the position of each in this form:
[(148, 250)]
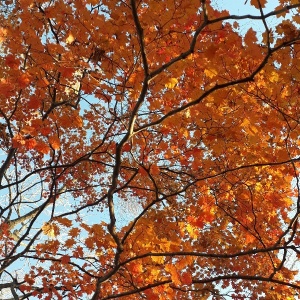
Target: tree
[(150, 150)]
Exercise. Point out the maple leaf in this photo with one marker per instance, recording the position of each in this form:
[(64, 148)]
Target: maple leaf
[(69, 243), (274, 77), (66, 72), (210, 73), (42, 147), (78, 252), (74, 232), (136, 268), (171, 83), (258, 3), (250, 37), (43, 82), (18, 140), (3, 34), (54, 142), (64, 221), (28, 130), (24, 80), (12, 62), (65, 259), (155, 170), (50, 229), (34, 102), (127, 147), (30, 143), (70, 39), (174, 274), (186, 278)]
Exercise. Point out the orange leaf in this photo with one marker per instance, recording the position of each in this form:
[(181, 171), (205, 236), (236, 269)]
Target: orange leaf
[(258, 3), (89, 242), (64, 221), (42, 147), (12, 62), (155, 170), (150, 295), (78, 252), (77, 121), (3, 34), (54, 142), (70, 243), (136, 268), (74, 232), (28, 130), (18, 140), (30, 143), (186, 278), (174, 274), (43, 82), (24, 80)]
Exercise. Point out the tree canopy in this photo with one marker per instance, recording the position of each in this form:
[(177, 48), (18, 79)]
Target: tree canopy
[(150, 150)]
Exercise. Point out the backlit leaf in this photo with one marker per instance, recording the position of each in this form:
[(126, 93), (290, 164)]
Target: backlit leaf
[(171, 83)]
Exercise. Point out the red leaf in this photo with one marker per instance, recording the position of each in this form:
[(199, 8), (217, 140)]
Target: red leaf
[(126, 147)]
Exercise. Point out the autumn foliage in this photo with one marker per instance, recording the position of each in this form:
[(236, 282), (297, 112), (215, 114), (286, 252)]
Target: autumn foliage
[(149, 150)]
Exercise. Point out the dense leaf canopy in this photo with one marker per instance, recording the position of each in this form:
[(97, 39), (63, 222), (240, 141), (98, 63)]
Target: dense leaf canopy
[(149, 149)]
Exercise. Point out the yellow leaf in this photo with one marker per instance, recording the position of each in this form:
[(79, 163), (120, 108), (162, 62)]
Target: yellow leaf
[(155, 272), (50, 229), (192, 231), (245, 123), (253, 129), (210, 73), (172, 82), (158, 259), (258, 187), (250, 129), (70, 39), (273, 77)]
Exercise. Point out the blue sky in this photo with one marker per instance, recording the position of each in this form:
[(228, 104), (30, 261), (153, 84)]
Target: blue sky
[(240, 8)]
